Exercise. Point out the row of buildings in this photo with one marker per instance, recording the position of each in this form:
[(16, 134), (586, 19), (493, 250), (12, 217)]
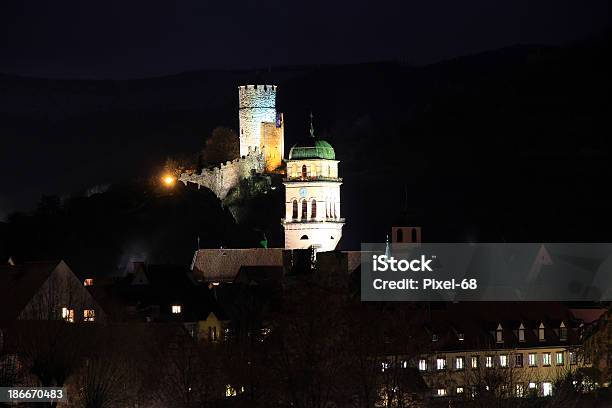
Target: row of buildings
[(518, 348)]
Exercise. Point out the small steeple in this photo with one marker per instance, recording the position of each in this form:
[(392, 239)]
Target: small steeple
[(311, 126), (387, 248)]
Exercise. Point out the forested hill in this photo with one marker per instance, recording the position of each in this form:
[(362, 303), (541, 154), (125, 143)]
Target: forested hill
[(510, 145), (102, 233)]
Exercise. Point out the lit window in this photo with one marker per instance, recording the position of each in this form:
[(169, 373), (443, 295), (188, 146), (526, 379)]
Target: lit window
[(459, 363), (503, 360), (519, 390), (461, 336), (532, 386), (521, 333), (68, 314), (518, 360), (572, 357), (541, 335), (434, 337), (474, 361), (545, 359), (489, 361), (89, 315), (230, 391), (532, 360), (441, 392), (404, 364), (176, 309), (212, 333), (440, 363), (384, 366), (422, 365), (559, 358), (88, 282), (459, 390), (546, 389)]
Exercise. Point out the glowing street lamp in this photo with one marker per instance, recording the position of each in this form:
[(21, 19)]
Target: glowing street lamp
[(168, 180)]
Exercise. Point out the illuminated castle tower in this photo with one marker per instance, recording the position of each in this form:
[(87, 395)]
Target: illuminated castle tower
[(312, 196), (261, 127)]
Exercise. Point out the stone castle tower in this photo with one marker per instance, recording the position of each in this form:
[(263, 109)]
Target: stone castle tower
[(261, 127), (312, 196)]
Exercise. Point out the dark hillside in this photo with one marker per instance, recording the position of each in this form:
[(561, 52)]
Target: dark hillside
[(136, 221)]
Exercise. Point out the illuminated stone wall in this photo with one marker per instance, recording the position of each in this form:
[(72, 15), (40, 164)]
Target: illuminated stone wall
[(273, 144), (220, 180), (256, 105)]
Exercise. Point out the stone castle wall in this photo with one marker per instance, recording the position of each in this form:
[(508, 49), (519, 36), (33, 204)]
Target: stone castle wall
[(256, 104), (220, 180), (273, 143)]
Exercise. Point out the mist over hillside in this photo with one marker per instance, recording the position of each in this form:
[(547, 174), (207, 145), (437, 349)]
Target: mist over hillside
[(509, 145)]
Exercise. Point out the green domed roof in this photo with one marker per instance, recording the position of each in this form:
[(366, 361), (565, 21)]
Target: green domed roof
[(312, 148)]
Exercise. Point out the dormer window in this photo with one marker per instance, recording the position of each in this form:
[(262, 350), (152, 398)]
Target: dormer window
[(541, 335), (521, 333), (176, 309), (499, 338), (461, 336), (88, 282), (562, 332), (434, 337)]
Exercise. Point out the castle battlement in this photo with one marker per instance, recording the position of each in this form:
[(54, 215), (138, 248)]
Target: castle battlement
[(256, 106), (265, 88)]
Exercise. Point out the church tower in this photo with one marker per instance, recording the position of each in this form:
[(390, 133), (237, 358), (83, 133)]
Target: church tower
[(261, 127), (312, 196)]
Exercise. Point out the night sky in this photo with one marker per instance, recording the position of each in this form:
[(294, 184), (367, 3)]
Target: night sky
[(133, 39), (136, 39)]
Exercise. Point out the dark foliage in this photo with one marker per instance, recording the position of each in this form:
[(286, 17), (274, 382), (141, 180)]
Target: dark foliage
[(131, 221)]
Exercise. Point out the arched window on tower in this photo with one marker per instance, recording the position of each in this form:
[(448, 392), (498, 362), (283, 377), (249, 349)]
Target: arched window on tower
[(294, 171), (304, 171), (304, 210), (313, 210), (399, 235), (295, 210)]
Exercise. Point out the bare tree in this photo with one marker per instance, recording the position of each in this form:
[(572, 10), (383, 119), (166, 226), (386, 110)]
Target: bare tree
[(184, 373), (310, 348), (222, 145)]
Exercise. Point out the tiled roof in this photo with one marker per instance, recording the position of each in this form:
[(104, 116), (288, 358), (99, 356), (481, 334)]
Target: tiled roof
[(223, 265), (18, 284), (478, 321)]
